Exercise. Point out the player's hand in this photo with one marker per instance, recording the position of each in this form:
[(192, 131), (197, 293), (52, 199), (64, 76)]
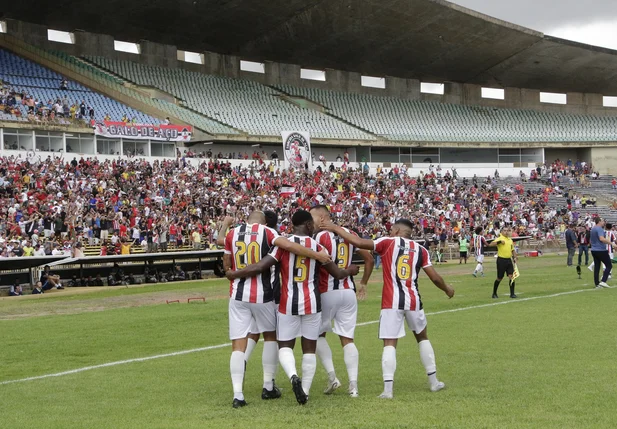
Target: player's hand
[(323, 256), (353, 269), (328, 226), (230, 275), (229, 220), (361, 295), (449, 291)]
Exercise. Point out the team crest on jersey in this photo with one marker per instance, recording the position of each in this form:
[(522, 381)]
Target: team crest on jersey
[(297, 151)]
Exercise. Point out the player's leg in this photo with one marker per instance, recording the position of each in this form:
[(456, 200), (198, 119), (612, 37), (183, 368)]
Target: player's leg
[(501, 270), (251, 343), (239, 325), (345, 326), (510, 273), (391, 328), (265, 321), (329, 302), (416, 320), (288, 328), (596, 264), (608, 266), (311, 323)]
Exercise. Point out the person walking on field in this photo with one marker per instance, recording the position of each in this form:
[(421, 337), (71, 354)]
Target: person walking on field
[(463, 245), (571, 244), (600, 248), (506, 258)]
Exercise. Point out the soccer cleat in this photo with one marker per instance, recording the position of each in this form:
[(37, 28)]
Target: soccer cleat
[(332, 386), (386, 395), (275, 393), (513, 295), (353, 393), (603, 284), (437, 386), (474, 274), (482, 274), (296, 385), (239, 403), (598, 287), (495, 295)]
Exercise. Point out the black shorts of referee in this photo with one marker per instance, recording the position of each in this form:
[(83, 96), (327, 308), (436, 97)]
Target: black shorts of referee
[(504, 266)]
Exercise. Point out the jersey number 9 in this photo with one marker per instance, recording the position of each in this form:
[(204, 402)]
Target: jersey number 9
[(342, 252)]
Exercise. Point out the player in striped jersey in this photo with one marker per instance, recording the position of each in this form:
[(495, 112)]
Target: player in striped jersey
[(612, 238), (478, 245), (300, 305), (251, 306), (338, 303), (402, 260)]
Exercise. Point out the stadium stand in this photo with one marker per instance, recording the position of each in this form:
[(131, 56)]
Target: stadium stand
[(31, 79), (418, 120), (245, 105)]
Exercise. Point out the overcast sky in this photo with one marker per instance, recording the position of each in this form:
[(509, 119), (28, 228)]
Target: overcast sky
[(590, 21)]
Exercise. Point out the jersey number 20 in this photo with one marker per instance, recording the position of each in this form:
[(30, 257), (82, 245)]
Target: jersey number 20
[(251, 252)]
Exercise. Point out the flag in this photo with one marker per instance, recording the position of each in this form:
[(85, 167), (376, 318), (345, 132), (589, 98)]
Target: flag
[(297, 149), (287, 191), (516, 274)]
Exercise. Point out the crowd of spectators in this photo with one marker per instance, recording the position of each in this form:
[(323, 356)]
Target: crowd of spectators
[(57, 206)]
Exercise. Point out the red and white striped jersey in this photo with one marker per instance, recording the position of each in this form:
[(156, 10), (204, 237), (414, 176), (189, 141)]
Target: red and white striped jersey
[(299, 276), (341, 253), (479, 243), (248, 244), (610, 235), (402, 260)]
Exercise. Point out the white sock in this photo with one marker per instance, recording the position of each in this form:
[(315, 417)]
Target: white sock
[(288, 361), (388, 366), (309, 366), (352, 357), (427, 356), (325, 356), (270, 361), (478, 268), (236, 368), (250, 346)]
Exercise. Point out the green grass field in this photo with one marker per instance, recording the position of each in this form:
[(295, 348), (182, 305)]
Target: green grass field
[(545, 362)]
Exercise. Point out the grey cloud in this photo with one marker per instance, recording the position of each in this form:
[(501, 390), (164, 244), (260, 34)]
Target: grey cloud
[(545, 15)]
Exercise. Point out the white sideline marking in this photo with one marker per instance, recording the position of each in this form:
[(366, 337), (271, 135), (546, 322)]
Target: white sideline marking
[(202, 349)]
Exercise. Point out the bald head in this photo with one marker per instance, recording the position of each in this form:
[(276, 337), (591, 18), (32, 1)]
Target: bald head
[(320, 214), (257, 217)]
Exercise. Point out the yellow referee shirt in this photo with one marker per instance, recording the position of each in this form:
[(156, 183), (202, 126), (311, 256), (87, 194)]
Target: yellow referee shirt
[(505, 246)]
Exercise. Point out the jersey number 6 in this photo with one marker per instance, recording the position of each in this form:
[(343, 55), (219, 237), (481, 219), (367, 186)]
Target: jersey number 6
[(403, 269)]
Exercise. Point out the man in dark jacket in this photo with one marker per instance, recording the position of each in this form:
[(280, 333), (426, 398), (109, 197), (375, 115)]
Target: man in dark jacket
[(571, 243), (583, 238)]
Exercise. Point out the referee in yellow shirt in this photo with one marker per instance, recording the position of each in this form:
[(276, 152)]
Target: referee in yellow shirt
[(506, 257)]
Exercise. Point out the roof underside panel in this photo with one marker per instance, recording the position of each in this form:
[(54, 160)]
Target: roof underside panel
[(431, 40)]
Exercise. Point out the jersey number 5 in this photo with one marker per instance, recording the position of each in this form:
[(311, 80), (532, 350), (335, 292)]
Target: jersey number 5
[(251, 252), (403, 269), (301, 270)]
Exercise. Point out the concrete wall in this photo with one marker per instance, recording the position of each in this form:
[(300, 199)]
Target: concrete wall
[(289, 74), (604, 160)]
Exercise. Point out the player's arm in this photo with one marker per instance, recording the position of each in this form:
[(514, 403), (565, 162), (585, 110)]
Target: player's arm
[(227, 223), (358, 242), (251, 270), (494, 243), (369, 263), (300, 250), (514, 254), (339, 273), (438, 281)]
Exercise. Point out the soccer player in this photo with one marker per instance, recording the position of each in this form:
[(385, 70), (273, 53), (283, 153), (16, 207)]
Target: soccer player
[(400, 300), (251, 299), (506, 258), (300, 305), (479, 243), (338, 302)]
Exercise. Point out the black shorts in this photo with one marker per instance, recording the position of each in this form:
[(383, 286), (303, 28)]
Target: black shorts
[(463, 254), (504, 266)]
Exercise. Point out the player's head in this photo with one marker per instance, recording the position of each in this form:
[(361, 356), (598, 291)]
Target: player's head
[(598, 221), (257, 217), (506, 231), (608, 226), (320, 214), (272, 219), (479, 230), (402, 228), (303, 223)]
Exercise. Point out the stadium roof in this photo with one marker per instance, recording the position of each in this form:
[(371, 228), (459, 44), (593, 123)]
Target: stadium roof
[(430, 40)]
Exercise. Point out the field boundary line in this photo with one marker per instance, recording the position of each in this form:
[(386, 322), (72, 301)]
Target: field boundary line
[(219, 346)]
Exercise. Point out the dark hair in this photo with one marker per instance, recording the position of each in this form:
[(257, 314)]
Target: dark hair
[(321, 207), (301, 217), (597, 219), (609, 225), (404, 222), (271, 219), (478, 230)]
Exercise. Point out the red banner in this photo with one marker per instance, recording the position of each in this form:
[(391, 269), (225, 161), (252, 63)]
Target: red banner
[(171, 133)]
